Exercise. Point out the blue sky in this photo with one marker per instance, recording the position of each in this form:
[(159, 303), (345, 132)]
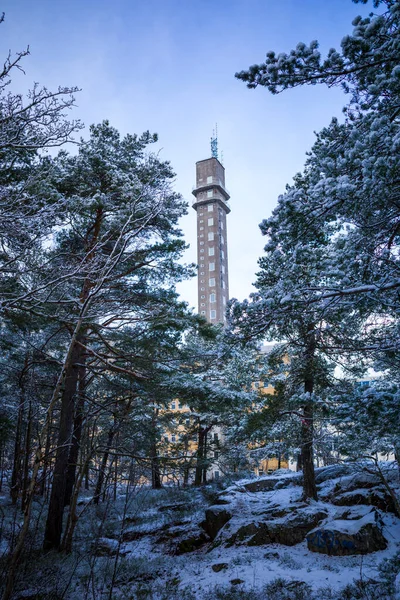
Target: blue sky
[(168, 66)]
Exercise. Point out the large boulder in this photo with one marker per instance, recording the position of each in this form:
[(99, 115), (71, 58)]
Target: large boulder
[(377, 497), (350, 535), (288, 531), (216, 518)]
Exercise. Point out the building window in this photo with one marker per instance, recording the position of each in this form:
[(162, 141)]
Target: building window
[(201, 273), (216, 455), (201, 220), (222, 224), (211, 221), (222, 254), (211, 236), (216, 475), (211, 282), (202, 304), (211, 251), (202, 289), (202, 235), (210, 207), (213, 314), (222, 268), (223, 300), (213, 298), (215, 437), (166, 438), (202, 297), (173, 438), (201, 250), (222, 239), (188, 421), (211, 266), (201, 243), (173, 405), (209, 193), (203, 312), (209, 179), (201, 280), (201, 228), (222, 284), (202, 265)]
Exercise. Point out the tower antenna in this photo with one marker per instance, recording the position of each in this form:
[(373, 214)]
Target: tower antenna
[(214, 142)]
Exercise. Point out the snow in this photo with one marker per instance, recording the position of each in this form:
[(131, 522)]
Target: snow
[(260, 565)]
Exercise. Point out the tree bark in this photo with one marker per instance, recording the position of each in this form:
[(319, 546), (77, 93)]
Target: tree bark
[(52, 538), (25, 483), (103, 466), (77, 432), (307, 424)]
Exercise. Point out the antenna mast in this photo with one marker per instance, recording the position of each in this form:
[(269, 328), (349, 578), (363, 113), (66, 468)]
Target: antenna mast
[(214, 142)]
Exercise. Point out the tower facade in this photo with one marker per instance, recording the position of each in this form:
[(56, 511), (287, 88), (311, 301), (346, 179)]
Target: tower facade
[(211, 205)]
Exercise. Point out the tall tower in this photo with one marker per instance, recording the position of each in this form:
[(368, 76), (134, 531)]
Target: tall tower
[(211, 205)]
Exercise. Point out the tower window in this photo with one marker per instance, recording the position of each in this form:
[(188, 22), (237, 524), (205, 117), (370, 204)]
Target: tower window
[(213, 314), (201, 243), (202, 297), (212, 298), (223, 300), (211, 251), (222, 254), (202, 289), (222, 267), (210, 207), (222, 239), (209, 194), (203, 312), (201, 249), (211, 236), (222, 284), (211, 282), (211, 221), (222, 224), (201, 221), (209, 179), (211, 266), (202, 304)]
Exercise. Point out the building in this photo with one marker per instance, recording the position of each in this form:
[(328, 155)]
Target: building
[(211, 205)]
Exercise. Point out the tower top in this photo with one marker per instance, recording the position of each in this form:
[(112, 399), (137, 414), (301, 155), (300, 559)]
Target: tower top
[(214, 142)]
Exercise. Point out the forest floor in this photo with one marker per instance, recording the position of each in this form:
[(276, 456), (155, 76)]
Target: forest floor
[(151, 544)]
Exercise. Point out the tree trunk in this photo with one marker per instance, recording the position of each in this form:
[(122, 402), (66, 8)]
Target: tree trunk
[(77, 432), (307, 424), (102, 470), (199, 456), (204, 475), (52, 538), (17, 462), (25, 483)]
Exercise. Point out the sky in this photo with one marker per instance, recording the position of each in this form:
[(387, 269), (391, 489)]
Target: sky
[(168, 66)]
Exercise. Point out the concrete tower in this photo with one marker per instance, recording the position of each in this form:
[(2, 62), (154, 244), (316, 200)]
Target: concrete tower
[(211, 205)]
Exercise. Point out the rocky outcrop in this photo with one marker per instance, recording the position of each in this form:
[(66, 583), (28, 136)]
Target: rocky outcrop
[(216, 518), (288, 531), (377, 497), (346, 536)]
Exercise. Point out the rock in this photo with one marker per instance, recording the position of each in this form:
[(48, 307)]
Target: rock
[(191, 544), (272, 555), (287, 531), (219, 567), (173, 507), (343, 537), (377, 497), (270, 483), (216, 517), (333, 471), (108, 547), (237, 581)]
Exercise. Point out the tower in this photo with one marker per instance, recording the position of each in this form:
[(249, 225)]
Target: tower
[(211, 206)]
